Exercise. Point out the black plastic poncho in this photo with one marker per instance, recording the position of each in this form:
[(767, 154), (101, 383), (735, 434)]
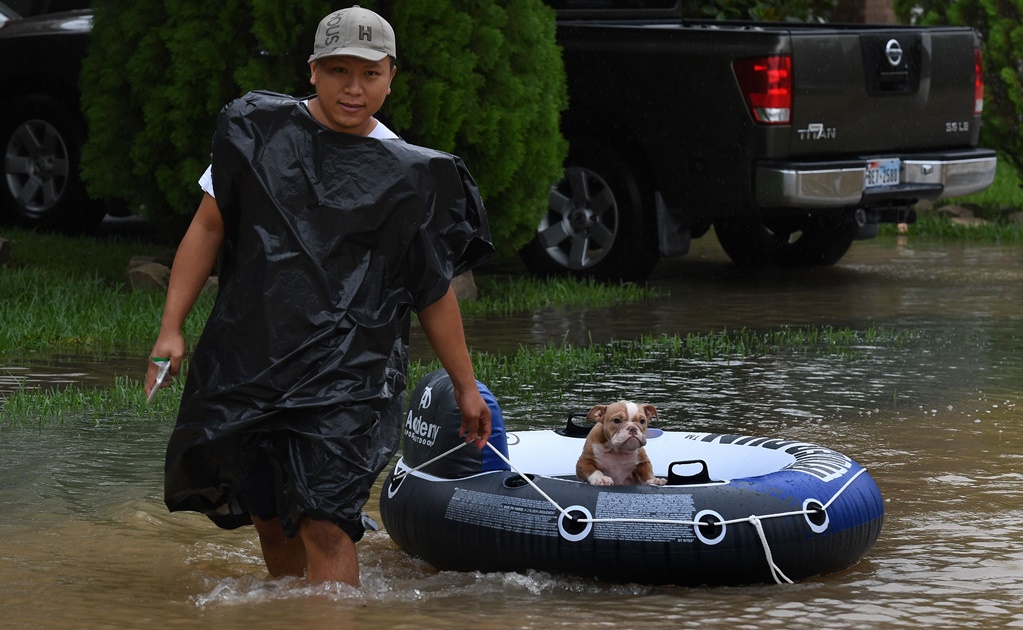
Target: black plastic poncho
[(331, 241)]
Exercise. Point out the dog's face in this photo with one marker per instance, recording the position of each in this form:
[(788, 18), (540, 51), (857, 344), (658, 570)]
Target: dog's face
[(624, 423)]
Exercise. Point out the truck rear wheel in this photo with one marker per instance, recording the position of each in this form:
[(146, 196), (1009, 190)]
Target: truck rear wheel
[(804, 241), (595, 225)]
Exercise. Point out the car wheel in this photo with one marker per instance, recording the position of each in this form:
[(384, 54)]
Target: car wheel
[(42, 146), (804, 241), (595, 225)]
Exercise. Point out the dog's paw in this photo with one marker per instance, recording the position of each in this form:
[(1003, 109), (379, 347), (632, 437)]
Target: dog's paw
[(598, 478), (656, 481)]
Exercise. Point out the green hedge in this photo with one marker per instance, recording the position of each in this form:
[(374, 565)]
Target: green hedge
[(479, 78)]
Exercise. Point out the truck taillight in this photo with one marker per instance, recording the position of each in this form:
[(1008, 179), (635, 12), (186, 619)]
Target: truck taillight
[(766, 82), (978, 82)]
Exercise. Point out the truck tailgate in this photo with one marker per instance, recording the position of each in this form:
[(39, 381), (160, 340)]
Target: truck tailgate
[(882, 90)]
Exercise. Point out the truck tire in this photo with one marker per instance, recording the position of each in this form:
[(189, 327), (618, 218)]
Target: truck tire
[(596, 225), (805, 241), (40, 187)]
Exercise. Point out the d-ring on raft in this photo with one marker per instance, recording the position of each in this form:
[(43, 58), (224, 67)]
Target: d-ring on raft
[(736, 509)]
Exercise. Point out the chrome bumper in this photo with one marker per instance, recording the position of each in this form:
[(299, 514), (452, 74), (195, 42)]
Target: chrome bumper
[(842, 184)]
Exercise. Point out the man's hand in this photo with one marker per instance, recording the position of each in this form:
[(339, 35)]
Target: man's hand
[(475, 417), (169, 346)]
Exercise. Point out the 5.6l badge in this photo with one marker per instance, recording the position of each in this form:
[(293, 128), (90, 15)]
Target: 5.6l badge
[(956, 127)]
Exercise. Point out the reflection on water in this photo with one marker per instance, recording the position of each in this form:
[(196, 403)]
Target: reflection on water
[(58, 371), (85, 540)]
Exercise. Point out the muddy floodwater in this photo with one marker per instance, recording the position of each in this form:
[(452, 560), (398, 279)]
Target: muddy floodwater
[(85, 540)]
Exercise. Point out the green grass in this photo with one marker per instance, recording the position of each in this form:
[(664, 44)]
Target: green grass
[(45, 310), (68, 292), (89, 257), (125, 399), (504, 295), (531, 373)]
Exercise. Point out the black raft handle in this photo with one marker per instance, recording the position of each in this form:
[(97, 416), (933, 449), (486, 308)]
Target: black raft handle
[(701, 476), (572, 429)]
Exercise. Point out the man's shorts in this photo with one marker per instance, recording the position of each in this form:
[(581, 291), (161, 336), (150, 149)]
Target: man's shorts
[(292, 476)]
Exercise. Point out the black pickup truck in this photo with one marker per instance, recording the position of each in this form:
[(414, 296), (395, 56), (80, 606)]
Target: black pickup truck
[(791, 140)]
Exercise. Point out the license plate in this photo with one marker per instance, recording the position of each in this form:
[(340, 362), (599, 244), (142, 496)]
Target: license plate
[(882, 173)]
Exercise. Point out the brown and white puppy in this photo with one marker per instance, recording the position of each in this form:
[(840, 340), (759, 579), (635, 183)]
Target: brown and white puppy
[(613, 453)]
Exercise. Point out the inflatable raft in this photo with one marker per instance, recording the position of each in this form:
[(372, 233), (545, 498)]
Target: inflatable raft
[(736, 509)]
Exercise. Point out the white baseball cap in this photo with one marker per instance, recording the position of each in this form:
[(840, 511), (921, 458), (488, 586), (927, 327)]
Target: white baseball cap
[(354, 31)]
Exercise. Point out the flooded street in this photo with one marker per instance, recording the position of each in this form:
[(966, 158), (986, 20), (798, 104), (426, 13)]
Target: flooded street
[(85, 540)]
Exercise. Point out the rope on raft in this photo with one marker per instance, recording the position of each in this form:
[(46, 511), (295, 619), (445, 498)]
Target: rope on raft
[(754, 519)]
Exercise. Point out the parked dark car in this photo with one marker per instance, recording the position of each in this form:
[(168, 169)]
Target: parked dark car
[(42, 129)]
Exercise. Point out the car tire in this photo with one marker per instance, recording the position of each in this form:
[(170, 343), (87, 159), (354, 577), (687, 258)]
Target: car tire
[(40, 187), (803, 241), (596, 225)]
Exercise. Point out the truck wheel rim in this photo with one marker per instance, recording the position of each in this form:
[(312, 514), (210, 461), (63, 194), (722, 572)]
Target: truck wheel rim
[(36, 166), (581, 223)]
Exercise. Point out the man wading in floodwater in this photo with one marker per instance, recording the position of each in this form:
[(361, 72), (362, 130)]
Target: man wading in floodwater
[(332, 232)]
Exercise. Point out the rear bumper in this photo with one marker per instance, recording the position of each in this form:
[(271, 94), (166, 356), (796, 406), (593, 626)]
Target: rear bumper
[(837, 184)]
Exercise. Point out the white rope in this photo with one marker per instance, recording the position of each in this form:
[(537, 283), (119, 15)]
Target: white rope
[(401, 474), (842, 489), (535, 487), (744, 519), (754, 520), (775, 571)]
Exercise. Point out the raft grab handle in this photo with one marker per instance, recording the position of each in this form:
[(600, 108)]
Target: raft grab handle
[(572, 429), (682, 479)]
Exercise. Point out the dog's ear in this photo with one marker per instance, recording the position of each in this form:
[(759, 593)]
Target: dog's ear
[(597, 413), (649, 412)]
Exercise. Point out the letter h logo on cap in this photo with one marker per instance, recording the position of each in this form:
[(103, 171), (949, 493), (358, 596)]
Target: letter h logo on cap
[(356, 32)]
